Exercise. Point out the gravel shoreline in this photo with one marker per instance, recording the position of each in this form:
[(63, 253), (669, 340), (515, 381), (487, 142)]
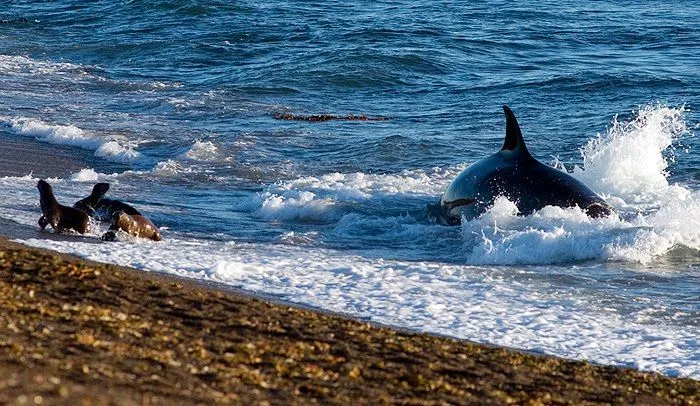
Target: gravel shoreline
[(77, 331)]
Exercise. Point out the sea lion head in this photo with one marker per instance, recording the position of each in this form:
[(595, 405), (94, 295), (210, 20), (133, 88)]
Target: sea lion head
[(100, 189), (98, 192), (89, 203), (46, 198), (120, 222), (44, 187)]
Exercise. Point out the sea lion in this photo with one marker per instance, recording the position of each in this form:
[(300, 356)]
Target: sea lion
[(101, 208), (62, 218), (111, 206), (89, 204), (514, 173), (133, 224)]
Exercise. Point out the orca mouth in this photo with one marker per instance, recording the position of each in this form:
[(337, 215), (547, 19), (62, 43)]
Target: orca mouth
[(598, 210), (458, 203)]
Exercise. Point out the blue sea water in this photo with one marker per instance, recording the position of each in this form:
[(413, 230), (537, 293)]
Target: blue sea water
[(174, 103)]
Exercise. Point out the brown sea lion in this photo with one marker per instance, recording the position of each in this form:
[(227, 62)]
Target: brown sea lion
[(101, 208), (62, 218), (133, 224)]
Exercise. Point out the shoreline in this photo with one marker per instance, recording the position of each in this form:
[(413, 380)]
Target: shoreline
[(101, 333), (22, 231), (75, 330)]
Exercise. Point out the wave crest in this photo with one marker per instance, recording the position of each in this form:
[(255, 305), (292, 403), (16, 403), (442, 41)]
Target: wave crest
[(108, 148)]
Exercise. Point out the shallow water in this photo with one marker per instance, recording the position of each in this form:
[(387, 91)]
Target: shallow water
[(173, 104)]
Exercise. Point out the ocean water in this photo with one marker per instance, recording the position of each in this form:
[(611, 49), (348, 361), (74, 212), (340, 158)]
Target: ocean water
[(173, 102)]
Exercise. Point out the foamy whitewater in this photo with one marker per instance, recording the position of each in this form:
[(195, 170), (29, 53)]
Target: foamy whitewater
[(574, 286), (109, 148), (176, 105)]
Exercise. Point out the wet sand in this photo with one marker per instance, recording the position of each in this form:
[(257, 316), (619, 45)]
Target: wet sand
[(21, 156)]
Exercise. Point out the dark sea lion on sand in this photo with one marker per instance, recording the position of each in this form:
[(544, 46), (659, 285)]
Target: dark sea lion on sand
[(101, 208), (62, 218), (133, 224)]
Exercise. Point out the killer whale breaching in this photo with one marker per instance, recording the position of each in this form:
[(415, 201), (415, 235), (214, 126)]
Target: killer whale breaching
[(514, 173)]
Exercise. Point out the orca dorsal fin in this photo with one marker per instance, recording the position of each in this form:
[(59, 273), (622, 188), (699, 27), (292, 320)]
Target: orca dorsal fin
[(514, 138)]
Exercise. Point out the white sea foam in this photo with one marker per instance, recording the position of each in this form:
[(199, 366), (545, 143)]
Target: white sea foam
[(90, 175), (202, 151), (292, 238), (551, 235), (364, 186), (630, 160), (22, 65), (56, 134), (323, 198), (30, 70), (108, 148), (114, 151), (555, 235), (169, 168), (301, 206)]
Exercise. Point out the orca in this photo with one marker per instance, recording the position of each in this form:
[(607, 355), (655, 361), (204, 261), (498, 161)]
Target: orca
[(514, 173)]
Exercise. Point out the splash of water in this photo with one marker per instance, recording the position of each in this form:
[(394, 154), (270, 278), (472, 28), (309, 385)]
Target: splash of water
[(631, 159)]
